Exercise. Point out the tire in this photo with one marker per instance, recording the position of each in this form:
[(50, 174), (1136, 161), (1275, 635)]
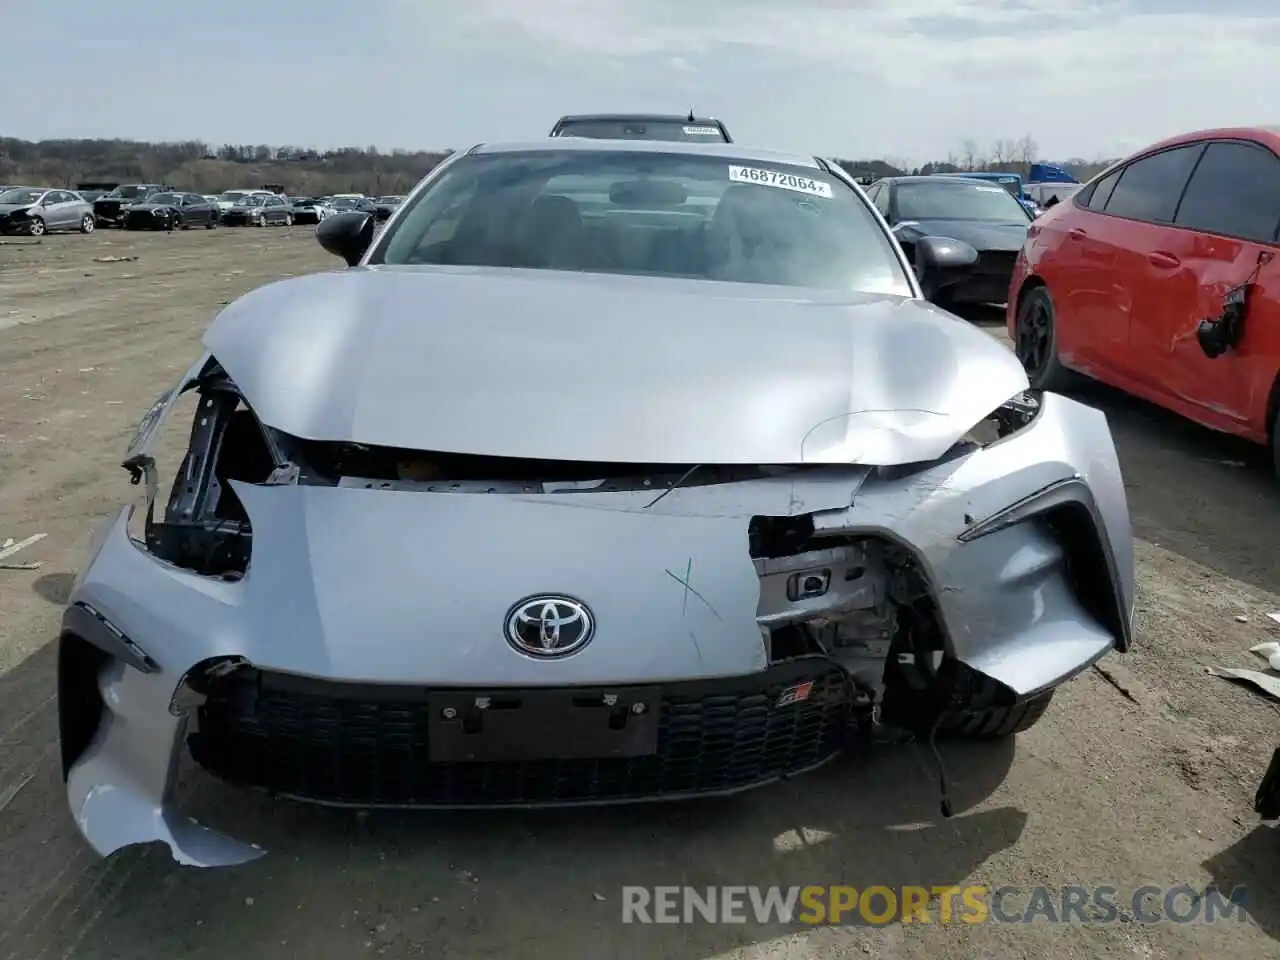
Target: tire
[(288, 219), (36, 227), (262, 220), (88, 223), (213, 222), (1036, 342), (182, 224)]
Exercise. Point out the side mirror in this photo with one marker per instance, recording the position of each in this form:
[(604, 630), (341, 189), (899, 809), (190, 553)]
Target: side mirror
[(941, 262), (346, 235)]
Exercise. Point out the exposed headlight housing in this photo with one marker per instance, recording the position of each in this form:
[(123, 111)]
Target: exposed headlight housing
[(1013, 415)]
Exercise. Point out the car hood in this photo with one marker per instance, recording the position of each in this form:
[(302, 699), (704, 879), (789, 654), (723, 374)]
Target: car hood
[(7, 208), (979, 234), (149, 207), (572, 366)]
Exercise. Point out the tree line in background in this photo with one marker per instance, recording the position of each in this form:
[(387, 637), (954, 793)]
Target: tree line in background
[(1013, 156), (201, 167)]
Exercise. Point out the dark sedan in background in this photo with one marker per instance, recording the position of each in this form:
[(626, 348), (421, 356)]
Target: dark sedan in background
[(983, 215), (109, 209), (384, 207), (167, 211)]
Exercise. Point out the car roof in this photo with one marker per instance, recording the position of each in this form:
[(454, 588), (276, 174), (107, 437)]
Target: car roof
[(641, 117), (1269, 135), (727, 151)]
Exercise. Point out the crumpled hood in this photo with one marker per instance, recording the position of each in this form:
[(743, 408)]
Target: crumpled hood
[(8, 208), (979, 234), (569, 366)]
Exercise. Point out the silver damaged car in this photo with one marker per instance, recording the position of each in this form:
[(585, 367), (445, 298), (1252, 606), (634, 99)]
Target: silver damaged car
[(608, 471)]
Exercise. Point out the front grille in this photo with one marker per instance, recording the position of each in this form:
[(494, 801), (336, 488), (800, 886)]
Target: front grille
[(107, 208), (369, 746)]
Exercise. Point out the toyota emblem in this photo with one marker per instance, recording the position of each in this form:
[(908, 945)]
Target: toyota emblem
[(550, 626)]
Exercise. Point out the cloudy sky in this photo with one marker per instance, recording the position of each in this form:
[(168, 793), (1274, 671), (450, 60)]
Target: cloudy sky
[(902, 78)]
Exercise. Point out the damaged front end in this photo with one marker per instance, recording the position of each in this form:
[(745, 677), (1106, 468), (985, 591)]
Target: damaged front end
[(325, 621)]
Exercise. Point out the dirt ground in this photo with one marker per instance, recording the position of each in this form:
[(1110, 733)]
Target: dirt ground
[(1149, 785)]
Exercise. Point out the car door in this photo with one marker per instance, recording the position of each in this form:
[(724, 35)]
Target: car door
[(57, 209), (275, 209), (196, 208), (1227, 230), (1132, 237)]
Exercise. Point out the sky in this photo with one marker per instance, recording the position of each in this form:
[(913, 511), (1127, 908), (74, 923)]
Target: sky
[(907, 79)]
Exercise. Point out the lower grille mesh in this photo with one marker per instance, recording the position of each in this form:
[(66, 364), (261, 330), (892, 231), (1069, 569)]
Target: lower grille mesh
[(334, 743)]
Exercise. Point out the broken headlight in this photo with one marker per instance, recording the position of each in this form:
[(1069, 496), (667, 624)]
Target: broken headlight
[(1005, 420)]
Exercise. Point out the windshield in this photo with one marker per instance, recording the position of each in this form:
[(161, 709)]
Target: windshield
[(642, 130), (130, 193), (390, 200), (21, 195), (957, 200), (250, 200), (698, 217), (344, 203), (169, 198)]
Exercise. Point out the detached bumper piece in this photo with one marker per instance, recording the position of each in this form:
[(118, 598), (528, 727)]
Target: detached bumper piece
[(1266, 803), (381, 746)]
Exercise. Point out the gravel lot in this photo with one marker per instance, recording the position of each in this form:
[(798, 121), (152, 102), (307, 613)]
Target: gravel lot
[(1149, 786)]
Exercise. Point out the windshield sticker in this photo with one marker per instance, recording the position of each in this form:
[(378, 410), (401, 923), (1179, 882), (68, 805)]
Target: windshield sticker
[(702, 131), (784, 181), (992, 189)]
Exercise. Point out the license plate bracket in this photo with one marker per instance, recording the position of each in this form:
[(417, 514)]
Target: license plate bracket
[(581, 724)]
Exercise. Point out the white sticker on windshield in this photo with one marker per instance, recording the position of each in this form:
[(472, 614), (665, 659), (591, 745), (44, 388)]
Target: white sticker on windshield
[(702, 131), (992, 189), (784, 181)]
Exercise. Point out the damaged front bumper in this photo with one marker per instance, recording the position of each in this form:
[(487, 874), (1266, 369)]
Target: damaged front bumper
[(372, 616)]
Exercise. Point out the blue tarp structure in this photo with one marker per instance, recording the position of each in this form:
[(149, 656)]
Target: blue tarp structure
[(1049, 173)]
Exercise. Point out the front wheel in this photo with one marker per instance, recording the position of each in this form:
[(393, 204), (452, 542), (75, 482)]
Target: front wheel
[(1036, 342), (87, 223), (262, 219), (37, 227), (288, 219), (213, 222)]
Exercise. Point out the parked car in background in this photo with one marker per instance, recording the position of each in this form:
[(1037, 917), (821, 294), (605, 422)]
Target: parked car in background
[(1161, 278), (229, 198), (310, 209), (351, 203), (1012, 182), (642, 126), (384, 207), (982, 215), (260, 210), (91, 190), (109, 208), (169, 211), (35, 211)]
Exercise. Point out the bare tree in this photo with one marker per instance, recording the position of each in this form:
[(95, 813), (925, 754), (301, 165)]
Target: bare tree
[(969, 154)]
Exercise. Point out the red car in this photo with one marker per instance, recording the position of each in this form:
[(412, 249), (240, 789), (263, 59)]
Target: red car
[(1161, 277)]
